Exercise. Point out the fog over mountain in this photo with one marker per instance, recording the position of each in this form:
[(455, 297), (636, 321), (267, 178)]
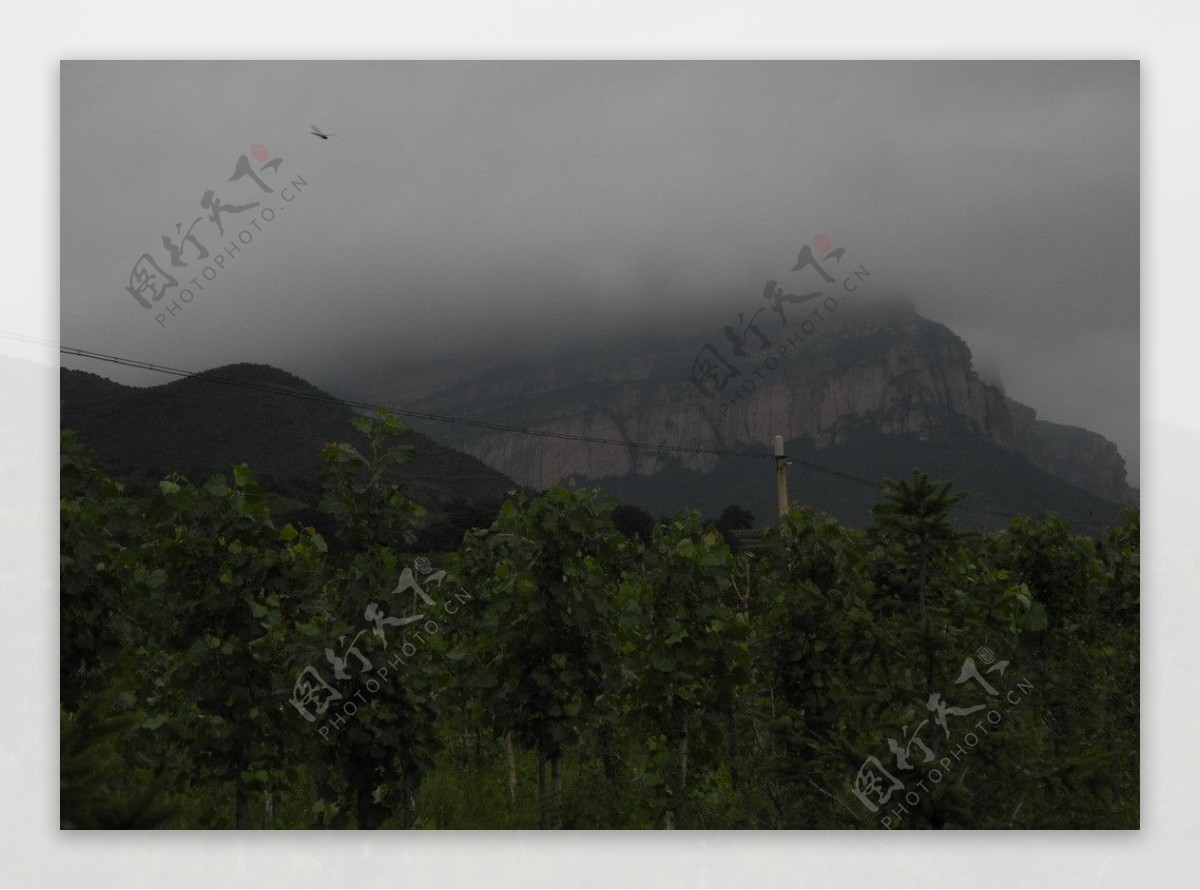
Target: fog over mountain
[(469, 214)]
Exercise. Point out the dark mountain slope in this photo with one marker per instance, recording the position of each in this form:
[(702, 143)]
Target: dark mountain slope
[(207, 424), (995, 480)]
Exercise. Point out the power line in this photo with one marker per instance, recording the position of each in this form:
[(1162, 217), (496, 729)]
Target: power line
[(211, 377), (655, 448)]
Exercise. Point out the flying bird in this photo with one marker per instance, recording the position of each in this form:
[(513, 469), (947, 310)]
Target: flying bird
[(316, 131)]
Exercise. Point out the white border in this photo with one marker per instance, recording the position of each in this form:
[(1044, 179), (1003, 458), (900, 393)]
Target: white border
[(1162, 35)]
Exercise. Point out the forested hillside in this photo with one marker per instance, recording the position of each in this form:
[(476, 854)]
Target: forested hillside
[(254, 414), (221, 668), (275, 422)]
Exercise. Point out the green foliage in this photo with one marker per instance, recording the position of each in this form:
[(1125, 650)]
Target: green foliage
[(376, 763), (98, 524), (564, 673), (223, 588), (544, 633), (686, 655), (100, 785), (234, 414), (367, 509)]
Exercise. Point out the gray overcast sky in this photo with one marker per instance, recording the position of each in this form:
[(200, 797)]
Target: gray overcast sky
[(470, 207)]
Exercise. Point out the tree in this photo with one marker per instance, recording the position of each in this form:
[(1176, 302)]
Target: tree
[(734, 518), (687, 658), (97, 529), (543, 637), (100, 786), (685, 684), (913, 528), (632, 521), (375, 762), (824, 671), (222, 587)]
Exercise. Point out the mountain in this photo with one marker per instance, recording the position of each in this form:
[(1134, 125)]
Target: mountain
[(999, 483), (873, 390), (233, 414)]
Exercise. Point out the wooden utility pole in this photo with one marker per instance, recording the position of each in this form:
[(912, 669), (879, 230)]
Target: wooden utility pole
[(781, 462)]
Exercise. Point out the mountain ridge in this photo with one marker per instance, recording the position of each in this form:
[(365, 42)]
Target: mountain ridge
[(882, 363), (880, 391), (235, 414)]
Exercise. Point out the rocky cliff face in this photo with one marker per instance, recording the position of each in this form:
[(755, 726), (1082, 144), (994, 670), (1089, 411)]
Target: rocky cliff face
[(1083, 458), (881, 366)]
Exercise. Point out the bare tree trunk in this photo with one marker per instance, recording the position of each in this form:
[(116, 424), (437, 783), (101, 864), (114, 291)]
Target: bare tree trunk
[(541, 768), (510, 759), (743, 594), (683, 770), (408, 802), (241, 807), (268, 810), (556, 770)]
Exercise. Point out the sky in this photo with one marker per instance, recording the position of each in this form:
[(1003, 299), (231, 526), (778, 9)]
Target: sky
[(467, 212)]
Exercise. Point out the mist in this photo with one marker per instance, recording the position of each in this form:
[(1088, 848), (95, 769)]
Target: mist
[(466, 214)]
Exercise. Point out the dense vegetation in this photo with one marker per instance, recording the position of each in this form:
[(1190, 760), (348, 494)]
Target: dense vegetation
[(223, 669), (234, 414)]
